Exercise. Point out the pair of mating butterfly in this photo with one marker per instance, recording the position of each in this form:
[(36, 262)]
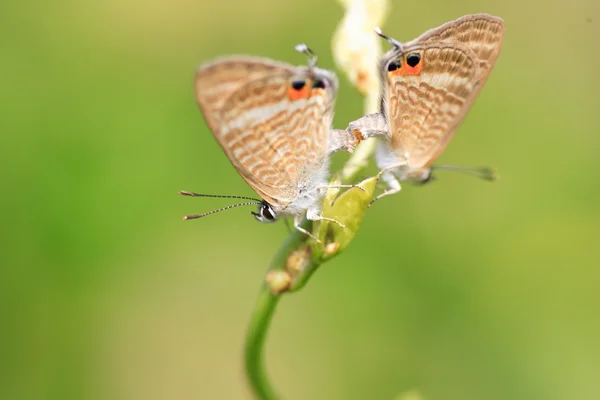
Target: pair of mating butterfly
[(273, 120)]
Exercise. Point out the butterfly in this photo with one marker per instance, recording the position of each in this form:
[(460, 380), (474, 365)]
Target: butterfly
[(273, 121), (428, 86)]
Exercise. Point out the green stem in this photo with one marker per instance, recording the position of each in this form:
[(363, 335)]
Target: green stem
[(264, 310), (255, 343), (261, 320)]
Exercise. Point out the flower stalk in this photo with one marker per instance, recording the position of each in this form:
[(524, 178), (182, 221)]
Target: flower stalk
[(356, 51)]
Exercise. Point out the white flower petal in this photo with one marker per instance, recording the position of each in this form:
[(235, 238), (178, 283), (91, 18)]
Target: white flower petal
[(356, 48)]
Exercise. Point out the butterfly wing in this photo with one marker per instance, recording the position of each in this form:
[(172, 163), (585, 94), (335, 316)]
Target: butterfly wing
[(482, 33), (273, 134), (427, 103), (217, 80)]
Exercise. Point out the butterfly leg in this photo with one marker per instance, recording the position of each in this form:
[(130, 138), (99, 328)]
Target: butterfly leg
[(297, 222), (392, 182), (393, 187), (368, 126), (340, 187), (313, 215)]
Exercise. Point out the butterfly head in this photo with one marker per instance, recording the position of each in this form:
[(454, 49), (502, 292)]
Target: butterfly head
[(421, 176), (265, 213)]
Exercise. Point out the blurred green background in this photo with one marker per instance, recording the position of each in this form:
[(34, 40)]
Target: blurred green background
[(462, 289)]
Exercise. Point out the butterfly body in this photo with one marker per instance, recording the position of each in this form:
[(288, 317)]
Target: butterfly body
[(273, 121)]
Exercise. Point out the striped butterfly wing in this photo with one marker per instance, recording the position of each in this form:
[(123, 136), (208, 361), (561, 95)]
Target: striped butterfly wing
[(481, 33), (273, 134), (427, 102), (217, 80)]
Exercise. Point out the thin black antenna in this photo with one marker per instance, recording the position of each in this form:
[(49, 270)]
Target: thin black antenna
[(218, 196), (312, 57), (392, 41), (195, 216), (485, 173)]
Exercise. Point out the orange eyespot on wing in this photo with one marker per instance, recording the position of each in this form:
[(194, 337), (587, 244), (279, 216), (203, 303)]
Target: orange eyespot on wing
[(411, 64), (407, 71), (318, 88), (298, 90)]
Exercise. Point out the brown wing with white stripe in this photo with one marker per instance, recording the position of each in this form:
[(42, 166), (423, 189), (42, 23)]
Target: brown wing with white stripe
[(271, 122), (428, 101), (218, 79), (482, 33)]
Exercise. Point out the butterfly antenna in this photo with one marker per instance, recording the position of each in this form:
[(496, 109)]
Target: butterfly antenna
[(218, 196), (196, 216), (392, 41), (312, 57), (485, 173)]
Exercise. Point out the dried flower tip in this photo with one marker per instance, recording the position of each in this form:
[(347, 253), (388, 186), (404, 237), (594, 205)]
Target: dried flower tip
[(298, 259), (331, 248), (278, 281)]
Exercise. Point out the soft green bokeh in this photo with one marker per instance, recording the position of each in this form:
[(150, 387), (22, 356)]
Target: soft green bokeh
[(461, 289)]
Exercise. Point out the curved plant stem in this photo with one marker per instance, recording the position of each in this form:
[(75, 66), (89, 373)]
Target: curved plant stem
[(260, 322), (255, 343)]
